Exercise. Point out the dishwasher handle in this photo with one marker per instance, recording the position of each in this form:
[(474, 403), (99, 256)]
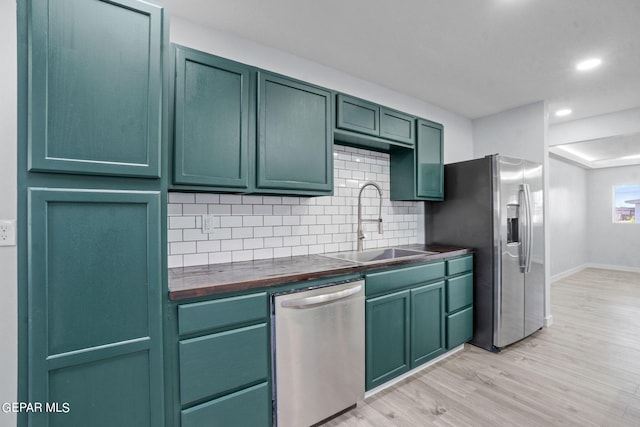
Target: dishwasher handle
[(319, 299)]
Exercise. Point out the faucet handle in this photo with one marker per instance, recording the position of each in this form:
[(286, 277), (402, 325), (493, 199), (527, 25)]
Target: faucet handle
[(380, 230)]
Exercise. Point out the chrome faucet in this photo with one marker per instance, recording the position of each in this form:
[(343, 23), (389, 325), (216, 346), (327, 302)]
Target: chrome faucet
[(361, 235)]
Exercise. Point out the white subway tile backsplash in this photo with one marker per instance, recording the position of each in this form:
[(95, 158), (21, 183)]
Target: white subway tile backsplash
[(281, 252), (220, 209), (206, 198), (194, 209), (242, 233), (253, 243), (219, 257), (266, 253), (242, 210), (252, 221), (231, 221), (262, 227), (231, 245), (190, 234), (208, 246), (178, 248), (182, 198), (262, 231), (272, 220), (174, 236), (237, 256), (195, 259)]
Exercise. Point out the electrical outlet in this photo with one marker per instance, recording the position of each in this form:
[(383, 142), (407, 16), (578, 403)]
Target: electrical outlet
[(209, 223), (7, 233)]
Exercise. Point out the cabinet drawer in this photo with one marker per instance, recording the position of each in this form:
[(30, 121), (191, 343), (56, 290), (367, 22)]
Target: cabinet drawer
[(459, 265), (213, 364), (397, 126), (221, 313), (459, 292), (358, 115), (248, 407), (386, 281), (459, 327)]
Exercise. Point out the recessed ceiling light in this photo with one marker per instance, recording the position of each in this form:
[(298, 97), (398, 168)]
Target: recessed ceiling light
[(588, 64), (563, 112)]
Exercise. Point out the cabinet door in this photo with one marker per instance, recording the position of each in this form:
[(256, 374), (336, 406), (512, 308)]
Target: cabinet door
[(295, 142), (358, 115), (94, 291), (397, 126), (429, 160), (249, 407), (211, 135), (387, 337), (459, 327), (240, 357), (95, 87), (427, 323)]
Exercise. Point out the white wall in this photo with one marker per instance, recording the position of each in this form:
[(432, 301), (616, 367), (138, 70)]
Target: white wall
[(519, 132), (568, 213), (610, 244), (458, 138), (8, 206), (522, 133)]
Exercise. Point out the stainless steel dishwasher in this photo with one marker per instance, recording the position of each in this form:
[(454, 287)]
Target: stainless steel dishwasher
[(318, 340)]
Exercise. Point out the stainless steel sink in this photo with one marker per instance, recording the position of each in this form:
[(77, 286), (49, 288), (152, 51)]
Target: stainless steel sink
[(376, 255)]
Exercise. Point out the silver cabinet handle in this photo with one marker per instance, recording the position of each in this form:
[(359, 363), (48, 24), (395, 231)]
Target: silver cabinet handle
[(319, 299)]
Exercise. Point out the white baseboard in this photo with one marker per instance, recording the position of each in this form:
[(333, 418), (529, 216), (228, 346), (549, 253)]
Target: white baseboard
[(548, 321), (568, 273), (413, 371), (615, 267)]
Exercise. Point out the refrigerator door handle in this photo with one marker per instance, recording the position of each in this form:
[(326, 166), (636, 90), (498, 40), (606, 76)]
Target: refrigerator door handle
[(528, 229)]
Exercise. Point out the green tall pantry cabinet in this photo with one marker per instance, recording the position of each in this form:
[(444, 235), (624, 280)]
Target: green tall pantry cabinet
[(92, 211)]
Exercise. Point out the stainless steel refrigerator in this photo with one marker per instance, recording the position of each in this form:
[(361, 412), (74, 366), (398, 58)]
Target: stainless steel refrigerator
[(494, 204)]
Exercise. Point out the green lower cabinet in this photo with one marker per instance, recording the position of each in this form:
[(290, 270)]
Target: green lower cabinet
[(427, 323), (223, 362), (245, 408), (459, 327), (387, 337), (95, 317), (414, 314)]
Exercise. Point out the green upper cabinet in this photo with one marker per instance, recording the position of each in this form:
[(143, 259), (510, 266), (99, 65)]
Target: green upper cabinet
[(95, 87), (419, 174), (397, 126), (295, 141), (211, 121), (357, 115), (367, 118)]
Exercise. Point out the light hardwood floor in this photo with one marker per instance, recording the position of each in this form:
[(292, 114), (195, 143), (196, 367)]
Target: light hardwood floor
[(584, 370)]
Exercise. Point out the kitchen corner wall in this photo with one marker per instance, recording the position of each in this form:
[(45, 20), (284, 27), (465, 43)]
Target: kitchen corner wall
[(263, 227), (8, 207)]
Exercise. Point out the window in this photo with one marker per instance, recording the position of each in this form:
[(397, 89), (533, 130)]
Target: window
[(626, 202)]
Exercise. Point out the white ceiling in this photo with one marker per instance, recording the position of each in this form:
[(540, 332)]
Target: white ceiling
[(472, 57)]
